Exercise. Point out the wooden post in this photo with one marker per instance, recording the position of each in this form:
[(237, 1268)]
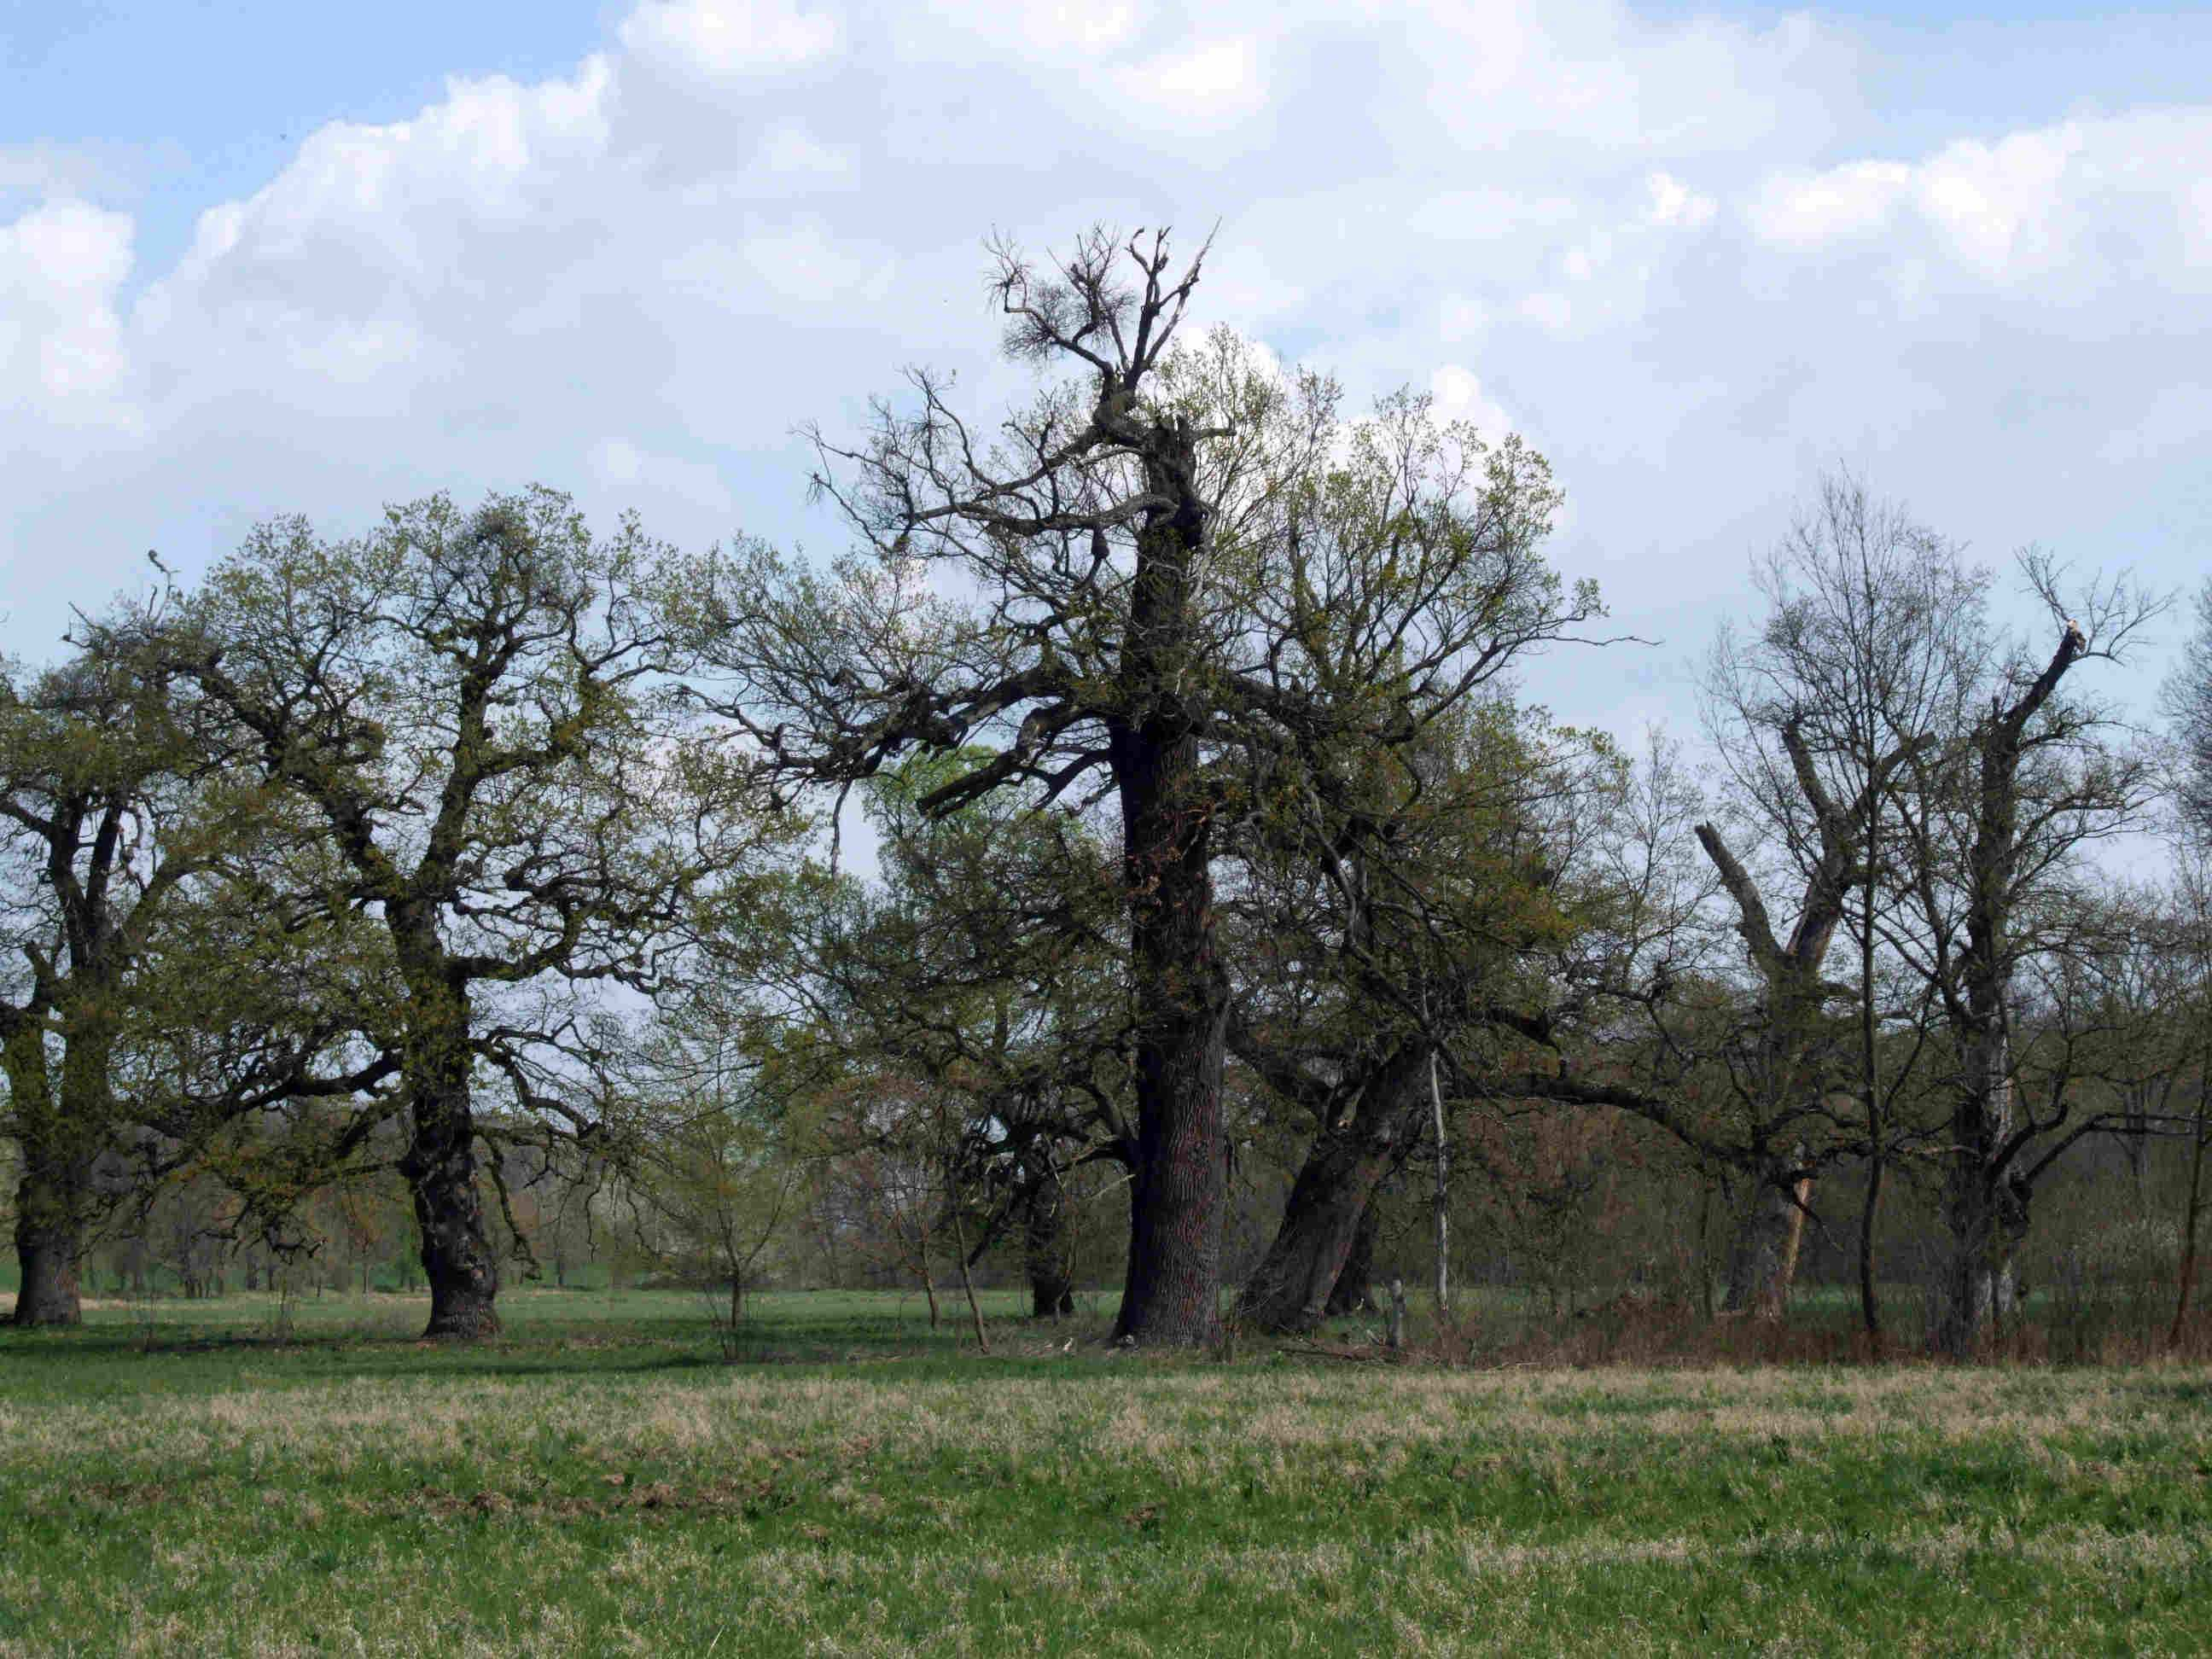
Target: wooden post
[(960, 1249), (1444, 1188), (1397, 1313), (2195, 1211)]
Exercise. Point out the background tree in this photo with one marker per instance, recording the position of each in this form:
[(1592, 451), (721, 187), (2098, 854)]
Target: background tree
[(723, 1150), (1380, 943), (1862, 659), (2187, 695), (139, 872), (981, 962), (469, 701), (1993, 820)]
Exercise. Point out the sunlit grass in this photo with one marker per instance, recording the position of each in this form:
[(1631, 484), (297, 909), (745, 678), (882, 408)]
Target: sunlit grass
[(176, 1479)]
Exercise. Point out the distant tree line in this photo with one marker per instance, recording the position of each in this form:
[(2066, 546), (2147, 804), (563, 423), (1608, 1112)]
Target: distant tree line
[(1131, 864)]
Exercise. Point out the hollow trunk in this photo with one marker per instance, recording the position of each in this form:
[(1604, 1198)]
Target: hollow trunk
[(441, 1167), (1045, 1252), (1291, 1288), (1763, 1252), (1354, 1291)]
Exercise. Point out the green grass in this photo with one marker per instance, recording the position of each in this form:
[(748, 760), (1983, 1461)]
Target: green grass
[(174, 1481)]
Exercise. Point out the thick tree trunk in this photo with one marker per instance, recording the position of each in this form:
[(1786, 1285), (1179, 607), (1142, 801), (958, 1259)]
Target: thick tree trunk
[(1984, 1212), (1290, 1291), (1976, 1292), (51, 1195), (1045, 1252), (1172, 1295), (1355, 1283), (1763, 1251), (441, 1167), (1985, 1199), (49, 1244)]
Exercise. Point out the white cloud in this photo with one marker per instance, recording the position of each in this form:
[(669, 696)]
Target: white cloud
[(61, 353), (1459, 397), (1049, 29), (727, 40), (1201, 88), (1674, 203), (2066, 206), (1809, 210), (1675, 250)]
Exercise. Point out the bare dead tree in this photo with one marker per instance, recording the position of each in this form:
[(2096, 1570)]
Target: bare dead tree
[(1991, 823)]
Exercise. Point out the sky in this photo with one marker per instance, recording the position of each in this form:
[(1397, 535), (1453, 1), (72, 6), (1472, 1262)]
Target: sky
[(259, 257)]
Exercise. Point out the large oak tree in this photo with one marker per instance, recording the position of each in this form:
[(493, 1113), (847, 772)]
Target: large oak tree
[(472, 702), (1169, 572)]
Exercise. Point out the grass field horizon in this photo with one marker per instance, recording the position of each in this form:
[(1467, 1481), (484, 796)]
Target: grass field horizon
[(185, 1477)]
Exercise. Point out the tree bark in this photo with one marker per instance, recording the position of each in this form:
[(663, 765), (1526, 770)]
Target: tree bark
[(1045, 1252), (441, 1167), (52, 1193), (1762, 1250), (49, 1244), (1331, 1200), (1172, 1295), (960, 1260), (1984, 1210), (1355, 1283), (1869, 1080), (1984, 1198), (1443, 1217), (2194, 1212)]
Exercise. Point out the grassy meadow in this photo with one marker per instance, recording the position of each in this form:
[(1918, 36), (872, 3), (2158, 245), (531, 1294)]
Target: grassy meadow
[(193, 1478)]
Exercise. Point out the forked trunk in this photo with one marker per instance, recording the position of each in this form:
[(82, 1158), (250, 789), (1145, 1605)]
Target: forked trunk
[(1330, 1201)]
